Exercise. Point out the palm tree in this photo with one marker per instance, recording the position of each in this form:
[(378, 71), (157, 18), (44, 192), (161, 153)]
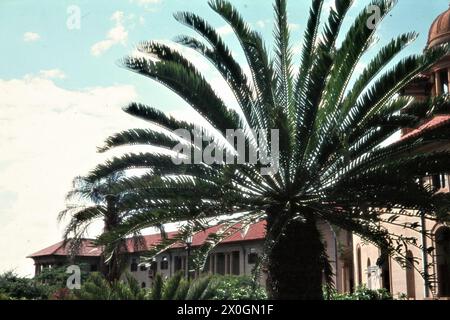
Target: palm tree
[(332, 163), (98, 203)]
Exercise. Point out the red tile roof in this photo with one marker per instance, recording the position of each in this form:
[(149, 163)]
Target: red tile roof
[(87, 249), (255, 231), (149, 241), (433, 123)]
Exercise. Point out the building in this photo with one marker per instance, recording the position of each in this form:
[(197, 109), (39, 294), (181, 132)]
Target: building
[(235, 255), (436, 263)]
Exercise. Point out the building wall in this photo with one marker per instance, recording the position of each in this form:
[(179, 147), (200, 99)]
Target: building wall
[(338, 244), (404, 280), (48, 262), (243, 249)]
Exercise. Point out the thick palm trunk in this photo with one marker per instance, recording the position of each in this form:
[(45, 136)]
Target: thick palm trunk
[(112, 270), (295, 264)]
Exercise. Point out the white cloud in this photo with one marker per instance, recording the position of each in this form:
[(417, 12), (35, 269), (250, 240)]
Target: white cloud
[(52, 74), (294, 27), (51, 135), (360, 68), (148, 5), (263, 23), (117, 35), (144, 2), (328, 5), (31, 36), (224, 30)]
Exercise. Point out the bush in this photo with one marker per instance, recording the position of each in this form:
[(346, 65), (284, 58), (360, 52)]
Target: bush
[(15, 287), (236, 288), (62, 294), (175, 288), (360, 293), (4, 297)]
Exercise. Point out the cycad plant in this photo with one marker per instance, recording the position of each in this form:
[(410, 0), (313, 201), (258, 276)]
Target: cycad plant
[(332, 165), (178, 288), (96, 287)]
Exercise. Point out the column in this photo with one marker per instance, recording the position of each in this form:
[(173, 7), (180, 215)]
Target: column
[(448, 79), (227, 263), (231, 262), (438, 84), (433, 85)]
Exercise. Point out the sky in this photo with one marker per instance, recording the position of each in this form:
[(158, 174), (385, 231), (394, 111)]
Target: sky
[(62, 89)]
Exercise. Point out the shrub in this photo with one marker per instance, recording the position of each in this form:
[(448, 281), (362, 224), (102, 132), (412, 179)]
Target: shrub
[(15, 287), (360, 293), (62, 294), (237, 288), (4, 297)]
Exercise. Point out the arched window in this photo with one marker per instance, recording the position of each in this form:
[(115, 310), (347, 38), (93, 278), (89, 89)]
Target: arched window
[(143, 285), (443, 261), (369, 274), (444, 81), (384, 262), (134, 265), (410, 276), (359, 264)]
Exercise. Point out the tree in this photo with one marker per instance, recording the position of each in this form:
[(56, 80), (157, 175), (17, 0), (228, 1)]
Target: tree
[(15, 287), (98, 202), (332, 163)]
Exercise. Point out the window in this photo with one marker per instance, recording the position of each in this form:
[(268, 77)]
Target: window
[(143, 285), (410, 277), (443, 261), (235, 263), (154, 266), (164, 263), (252, 256), (436, 181), (444, 81), (178, 263), (134, 266), (439, 181), (369, 273), (94, 267), (359, 264), (385, 264), (220, 263)]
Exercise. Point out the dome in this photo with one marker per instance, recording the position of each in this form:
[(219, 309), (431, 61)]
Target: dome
[(440, 30)]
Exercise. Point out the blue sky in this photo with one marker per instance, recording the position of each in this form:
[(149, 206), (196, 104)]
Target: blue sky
[(61, 91)]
